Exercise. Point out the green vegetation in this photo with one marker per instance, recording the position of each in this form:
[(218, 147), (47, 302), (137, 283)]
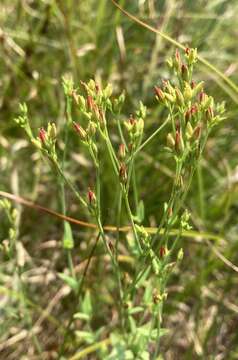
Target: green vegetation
[(118, 194)]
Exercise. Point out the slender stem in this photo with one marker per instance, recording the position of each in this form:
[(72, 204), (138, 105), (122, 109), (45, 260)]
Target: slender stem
[(132, 221)]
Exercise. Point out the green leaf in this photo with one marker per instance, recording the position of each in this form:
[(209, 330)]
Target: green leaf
[(87, 304), (69, 280), (85, 335), (139, 217), (135, 310), (68, 241), (132, 324), (162, 332), (143, 277), (81, 316)]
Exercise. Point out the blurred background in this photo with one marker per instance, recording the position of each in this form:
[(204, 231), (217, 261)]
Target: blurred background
[(40, 42)]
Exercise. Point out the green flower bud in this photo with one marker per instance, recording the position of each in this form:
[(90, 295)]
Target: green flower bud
[(170, 141), (188, 92), (179, 97)]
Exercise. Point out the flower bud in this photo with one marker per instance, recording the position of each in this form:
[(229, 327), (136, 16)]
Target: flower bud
[(170, 97), (92, 127), (43, 135), (179, 97), (156, 297), (192, 56), (180, 255), (82, 133), (209, 114), (162, 252), (179, 145), (187, 51), (90, 103), (202, 97), (197, 132), (159, 93), (189, 130), (91, 197), (102, 117), (177, 60), (123, 173), (193, 110), (139, 127), (52, 132), (188, 92), (184, 72), (170, 141), (122, 151)]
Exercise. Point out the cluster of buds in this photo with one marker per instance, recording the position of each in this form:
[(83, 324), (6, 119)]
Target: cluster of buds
[(145, 238), (46, 141), (174, 96), (176, 142), (23, 121), (87, 136), (96, 103), (183, 70), (194, 108), (134, 127)]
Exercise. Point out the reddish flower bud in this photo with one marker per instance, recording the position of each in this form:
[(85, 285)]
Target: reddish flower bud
[(97, 88), (123, 173), (90, 103), (91, 197), (170, 211), (193, 84), (177, 140), (42, 135), (177, 125), (193, 110), (132, 120), (177, 60), (177, 55), (179, 144), (187, 116), (111, 247), (202, 96), (162, 252), (184, 71), (159, 93), (82, 133), (101, 116), (187, 51)]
